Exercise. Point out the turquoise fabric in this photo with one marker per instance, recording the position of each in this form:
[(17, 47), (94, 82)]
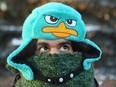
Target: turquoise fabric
[(35, 22)]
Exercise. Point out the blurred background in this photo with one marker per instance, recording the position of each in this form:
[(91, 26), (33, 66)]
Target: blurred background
[(100, 20)]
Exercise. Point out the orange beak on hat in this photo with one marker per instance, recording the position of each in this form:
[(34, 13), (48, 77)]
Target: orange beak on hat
[(60, 31)]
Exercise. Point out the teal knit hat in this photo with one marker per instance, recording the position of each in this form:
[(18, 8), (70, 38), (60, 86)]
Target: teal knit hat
[(52, 21)]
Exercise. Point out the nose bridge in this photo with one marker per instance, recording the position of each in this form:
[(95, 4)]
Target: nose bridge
[(54, 51)]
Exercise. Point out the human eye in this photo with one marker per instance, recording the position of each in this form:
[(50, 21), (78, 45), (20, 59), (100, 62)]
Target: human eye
[(64, 48), (43, 49)]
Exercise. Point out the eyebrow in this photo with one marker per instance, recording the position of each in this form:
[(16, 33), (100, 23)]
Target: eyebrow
[(63, 43), (43, 43), (60, 44)]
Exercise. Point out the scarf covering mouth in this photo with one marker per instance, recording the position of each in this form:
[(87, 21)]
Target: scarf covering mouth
[(54, 65), (57, 65)]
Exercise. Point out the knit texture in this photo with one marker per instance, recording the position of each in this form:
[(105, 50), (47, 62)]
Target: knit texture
[(56, 66)]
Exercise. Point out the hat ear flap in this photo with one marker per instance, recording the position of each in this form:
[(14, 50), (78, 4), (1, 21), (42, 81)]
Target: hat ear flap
[(90, 51), (16, 60), (27, 52), (16, 57)]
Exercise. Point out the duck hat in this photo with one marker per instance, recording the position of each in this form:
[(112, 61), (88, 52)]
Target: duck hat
[(54, 21)]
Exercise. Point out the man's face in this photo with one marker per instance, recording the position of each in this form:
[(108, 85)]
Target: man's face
[(53, 46)]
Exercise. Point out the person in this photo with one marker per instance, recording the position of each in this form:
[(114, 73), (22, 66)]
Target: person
[(54, 51)]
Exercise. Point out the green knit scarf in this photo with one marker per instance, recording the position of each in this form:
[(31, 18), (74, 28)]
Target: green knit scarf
[(55, 66)]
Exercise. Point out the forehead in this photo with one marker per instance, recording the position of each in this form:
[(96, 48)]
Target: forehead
[(52, 42)]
